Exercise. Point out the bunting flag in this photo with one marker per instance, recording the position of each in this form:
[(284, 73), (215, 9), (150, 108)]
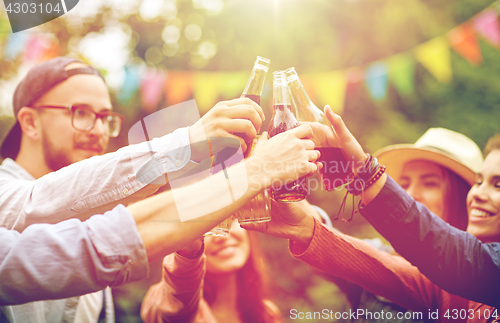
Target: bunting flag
[(402, 73), (15, 45), (130, 84), (36, 47), (330, 88), (486, 24), (178, 87), (376, 80), (206, 90), (232, 84), (355, 76), (152, 89), (52, 50), (434, 55), (4, 29), (464, 41)]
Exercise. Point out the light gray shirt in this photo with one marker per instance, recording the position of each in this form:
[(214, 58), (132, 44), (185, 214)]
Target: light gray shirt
[(80, 190), (52, 261)]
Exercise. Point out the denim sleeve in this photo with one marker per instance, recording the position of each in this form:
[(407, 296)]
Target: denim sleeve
[(452, 259), (71, 258)]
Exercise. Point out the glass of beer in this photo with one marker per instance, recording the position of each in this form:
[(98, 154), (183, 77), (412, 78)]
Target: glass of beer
[(222, 229), (258, 209)]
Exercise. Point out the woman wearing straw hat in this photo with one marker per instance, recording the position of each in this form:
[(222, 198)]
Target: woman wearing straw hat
[(438, 171)]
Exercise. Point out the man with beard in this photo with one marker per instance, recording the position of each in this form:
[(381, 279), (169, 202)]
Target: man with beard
[(64, 117)]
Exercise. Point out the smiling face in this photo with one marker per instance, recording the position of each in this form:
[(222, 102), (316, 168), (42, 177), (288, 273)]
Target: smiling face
[(483, 201), (426, 183), (63, 145), (227, 254)]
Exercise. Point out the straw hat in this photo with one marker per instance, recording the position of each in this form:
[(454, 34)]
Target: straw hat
[(444, 147)]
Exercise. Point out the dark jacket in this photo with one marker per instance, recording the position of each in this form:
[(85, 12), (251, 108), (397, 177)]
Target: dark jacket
[(453, 259)]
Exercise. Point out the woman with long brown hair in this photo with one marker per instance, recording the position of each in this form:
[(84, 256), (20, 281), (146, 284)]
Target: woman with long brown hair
[(218, 280)]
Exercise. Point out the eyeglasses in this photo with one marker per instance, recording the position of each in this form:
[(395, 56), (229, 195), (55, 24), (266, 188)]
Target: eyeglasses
[(83, 118)]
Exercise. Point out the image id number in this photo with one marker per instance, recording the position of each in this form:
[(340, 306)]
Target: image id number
[(32, 8)]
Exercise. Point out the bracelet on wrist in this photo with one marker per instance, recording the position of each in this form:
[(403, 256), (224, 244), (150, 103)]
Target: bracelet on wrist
[(366, 177)]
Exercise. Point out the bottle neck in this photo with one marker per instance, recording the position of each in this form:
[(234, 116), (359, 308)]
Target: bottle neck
[(304, 108), (255, 83), (299, 94)]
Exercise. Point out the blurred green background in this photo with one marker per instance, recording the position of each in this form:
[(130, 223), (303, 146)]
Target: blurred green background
[(314, 36)]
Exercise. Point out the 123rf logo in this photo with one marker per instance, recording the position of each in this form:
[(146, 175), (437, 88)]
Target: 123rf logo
[(25, 14)]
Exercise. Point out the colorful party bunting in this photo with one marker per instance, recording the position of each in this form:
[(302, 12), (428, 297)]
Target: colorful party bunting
[(232, 84), (52, 50), (434, 55), (402, 73), (330, 89), (206, 90), (130, 84), (4, 28), (152, 89), (464, 41), (36, 47), (354, 76), (178, 87), (376, 80), (15, 45), (486, 24)]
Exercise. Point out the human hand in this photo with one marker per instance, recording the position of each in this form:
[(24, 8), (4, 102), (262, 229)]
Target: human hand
[(240, 116), (323, 136), (285, 157), (350, 146), (192, 249), (292, 221)]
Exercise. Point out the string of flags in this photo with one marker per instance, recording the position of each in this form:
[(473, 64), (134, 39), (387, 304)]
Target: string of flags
[(325, 88)]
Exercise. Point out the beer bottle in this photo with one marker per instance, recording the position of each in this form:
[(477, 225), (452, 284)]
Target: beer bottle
[(336, 170), (255, 83), (281, 121)]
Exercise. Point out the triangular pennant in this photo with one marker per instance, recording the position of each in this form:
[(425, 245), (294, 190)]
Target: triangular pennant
[(52, 50), (434, 55), (487, 25), (354, 76), (376, 80), (206, 90), (34, 49), (330, 89), (178, 87), (232, 84), (402, 73), (464, 41), (151, 89), (130, 84), (15, 45), (4, 28)]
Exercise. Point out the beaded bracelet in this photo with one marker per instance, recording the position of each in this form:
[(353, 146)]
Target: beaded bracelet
[(367, 176)]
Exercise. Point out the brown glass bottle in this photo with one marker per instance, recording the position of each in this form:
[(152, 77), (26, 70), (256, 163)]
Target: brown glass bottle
[(281, 121), (336, 171)]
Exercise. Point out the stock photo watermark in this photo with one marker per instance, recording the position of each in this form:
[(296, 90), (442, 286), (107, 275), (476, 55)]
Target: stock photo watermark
[(396, 316), (220, 153), (26, 14)]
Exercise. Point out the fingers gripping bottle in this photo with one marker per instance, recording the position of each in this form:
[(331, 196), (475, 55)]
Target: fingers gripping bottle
[(336, 170), (281, 121)]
